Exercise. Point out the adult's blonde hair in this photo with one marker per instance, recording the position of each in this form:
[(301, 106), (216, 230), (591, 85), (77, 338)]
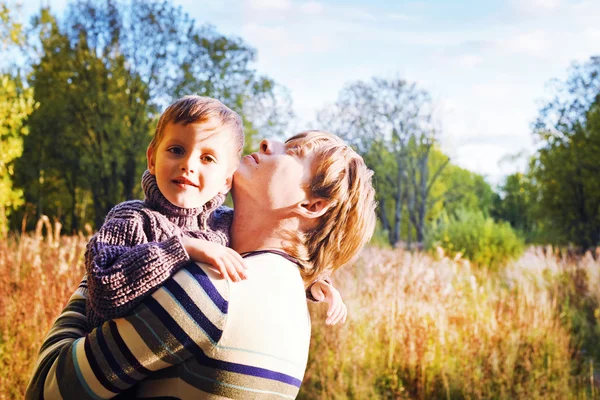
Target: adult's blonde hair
[(341, 177), (198, 110)]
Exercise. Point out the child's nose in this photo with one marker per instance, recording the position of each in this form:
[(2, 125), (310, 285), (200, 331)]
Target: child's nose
[(189, 164)]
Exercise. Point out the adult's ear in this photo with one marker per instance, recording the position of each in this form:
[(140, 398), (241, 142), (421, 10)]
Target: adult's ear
[(313, 208), (227, 186), (150, 156)]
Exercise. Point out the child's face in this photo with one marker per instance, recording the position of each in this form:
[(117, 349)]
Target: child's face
[(193, 163)]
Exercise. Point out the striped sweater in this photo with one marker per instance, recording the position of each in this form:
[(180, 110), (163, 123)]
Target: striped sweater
[(198, 336)]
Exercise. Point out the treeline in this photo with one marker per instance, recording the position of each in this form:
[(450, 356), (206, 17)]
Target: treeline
[(557, 199), (78, 113), (424, 197)]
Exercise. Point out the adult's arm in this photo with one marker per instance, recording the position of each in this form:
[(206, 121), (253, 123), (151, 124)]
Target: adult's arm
[(184, 318)]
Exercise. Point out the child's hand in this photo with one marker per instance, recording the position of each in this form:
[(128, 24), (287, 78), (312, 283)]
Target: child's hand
[(226, 260), (323, 291)]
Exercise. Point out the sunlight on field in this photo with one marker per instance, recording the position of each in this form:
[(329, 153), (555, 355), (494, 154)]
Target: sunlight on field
[(37, 277), (418, 327), (421, 328)]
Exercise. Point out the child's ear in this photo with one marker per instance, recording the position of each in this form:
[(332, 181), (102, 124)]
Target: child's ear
[(151, 160), (313, 208), (227, 186)]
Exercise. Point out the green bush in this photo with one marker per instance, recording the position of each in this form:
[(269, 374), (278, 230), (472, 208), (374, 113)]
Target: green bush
[(478, 238)]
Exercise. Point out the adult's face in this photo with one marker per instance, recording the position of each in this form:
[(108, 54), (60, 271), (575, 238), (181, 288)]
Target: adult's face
[(273, 177)]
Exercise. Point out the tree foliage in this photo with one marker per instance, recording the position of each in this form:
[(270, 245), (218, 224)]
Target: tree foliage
[(487, 243), (566, 166), (101, 76), (518, 205), (16, 102), (11, 30), (390, 123), (460, 189)]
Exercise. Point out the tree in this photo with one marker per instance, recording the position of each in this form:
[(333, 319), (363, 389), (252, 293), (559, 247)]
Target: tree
[(101, 77), (459, 189), (566, 166), (517, 205), (421, 180), (16, 103), (11, 30), (390, 123)]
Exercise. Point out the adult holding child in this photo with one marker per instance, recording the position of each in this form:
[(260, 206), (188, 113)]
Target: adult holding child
[(303, 208)]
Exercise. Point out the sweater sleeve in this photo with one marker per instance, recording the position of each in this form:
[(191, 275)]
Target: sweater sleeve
[(182, 319), (123, 266)]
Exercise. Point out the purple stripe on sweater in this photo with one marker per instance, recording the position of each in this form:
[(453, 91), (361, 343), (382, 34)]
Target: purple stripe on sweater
[(131, 360), (110, 359), (250, 370), (89, 354), (175, 329), (191, 346), (192, 309), (208, 287)]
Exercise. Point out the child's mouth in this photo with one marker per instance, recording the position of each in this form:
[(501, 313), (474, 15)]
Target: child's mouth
[(184, 182)]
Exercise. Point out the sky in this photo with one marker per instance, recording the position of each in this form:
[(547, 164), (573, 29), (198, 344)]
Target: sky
[(486, 63)]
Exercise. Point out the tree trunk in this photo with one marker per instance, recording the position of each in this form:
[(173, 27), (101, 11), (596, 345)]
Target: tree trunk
[(424, 172), (74, 219), (411, 209), (385, 222), (129, 177), (398, 211)]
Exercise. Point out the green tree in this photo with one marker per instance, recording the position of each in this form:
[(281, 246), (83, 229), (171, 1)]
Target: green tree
[(11, 30), (101, 77), (459, 189), (566, 166), (389, 122), (518, 202), (16, 103)]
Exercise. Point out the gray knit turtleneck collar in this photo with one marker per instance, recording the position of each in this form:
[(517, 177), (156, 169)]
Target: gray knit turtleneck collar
[(185, 217)]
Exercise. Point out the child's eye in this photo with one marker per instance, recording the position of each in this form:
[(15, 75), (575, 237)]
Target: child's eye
[(208, 158), (176, 150)]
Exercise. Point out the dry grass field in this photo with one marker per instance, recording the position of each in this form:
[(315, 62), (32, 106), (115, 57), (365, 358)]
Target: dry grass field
[(419, 327)]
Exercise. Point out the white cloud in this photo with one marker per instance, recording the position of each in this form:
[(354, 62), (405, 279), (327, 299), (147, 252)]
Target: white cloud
[(278, 41), (357, 14), (457, 59), (535, 42), (312, 8), (532, 6), (265, 36), (400, 17), (268, 5), (593, 33), (469, 61), (495, 90)]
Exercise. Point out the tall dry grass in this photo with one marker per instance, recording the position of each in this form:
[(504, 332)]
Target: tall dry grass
[(421, 328), (37, 276), (418, 327)]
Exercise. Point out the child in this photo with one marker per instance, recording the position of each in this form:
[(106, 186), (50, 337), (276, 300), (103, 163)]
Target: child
[(191, 160)]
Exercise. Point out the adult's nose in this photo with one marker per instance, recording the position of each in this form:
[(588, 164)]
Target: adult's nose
[(266, 146)]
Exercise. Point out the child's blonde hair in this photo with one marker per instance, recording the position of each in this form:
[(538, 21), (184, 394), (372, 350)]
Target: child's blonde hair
[(197, 110), (341, 177)]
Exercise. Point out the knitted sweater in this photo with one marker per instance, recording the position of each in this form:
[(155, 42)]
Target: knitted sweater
[(139, 247), (198, 336)]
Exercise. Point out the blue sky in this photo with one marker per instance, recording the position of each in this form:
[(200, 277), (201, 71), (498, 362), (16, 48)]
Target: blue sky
[(486, 63)]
